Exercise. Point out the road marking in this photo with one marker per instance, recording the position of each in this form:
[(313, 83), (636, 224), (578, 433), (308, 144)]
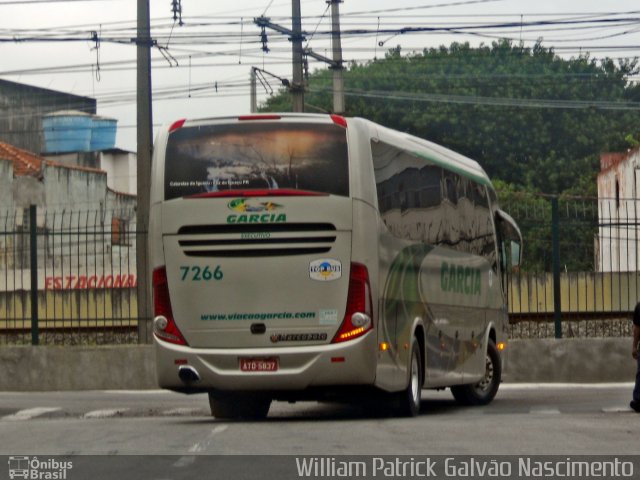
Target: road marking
[(183, 411), (538, 386), (106, 413), (30, 413), (545, 411), (616, 409), (202, 446), (137, 392), (199, 447)]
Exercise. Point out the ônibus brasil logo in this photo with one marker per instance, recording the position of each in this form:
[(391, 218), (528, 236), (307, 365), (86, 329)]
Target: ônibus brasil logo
[(254, 212), (36, 469)]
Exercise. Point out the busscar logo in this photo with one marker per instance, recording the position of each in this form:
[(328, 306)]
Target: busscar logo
[(298, 337), (33, 468)]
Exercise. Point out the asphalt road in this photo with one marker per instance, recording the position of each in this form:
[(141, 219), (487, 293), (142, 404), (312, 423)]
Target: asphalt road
[(523, 419)]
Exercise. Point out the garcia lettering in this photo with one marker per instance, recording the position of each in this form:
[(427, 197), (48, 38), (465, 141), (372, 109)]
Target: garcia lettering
[(460, 279), (258, 218)]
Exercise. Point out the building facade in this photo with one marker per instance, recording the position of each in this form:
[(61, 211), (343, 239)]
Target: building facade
[(84, 228), (618, 212), (23, 106)]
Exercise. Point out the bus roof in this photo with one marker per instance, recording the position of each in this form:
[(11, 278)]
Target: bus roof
[(437, 154)]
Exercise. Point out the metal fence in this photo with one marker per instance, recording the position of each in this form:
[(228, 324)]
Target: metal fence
[(580, 276), (69, 278)]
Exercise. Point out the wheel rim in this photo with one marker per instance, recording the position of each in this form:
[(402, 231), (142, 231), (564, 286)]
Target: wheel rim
[(415, 381), (484, 385)]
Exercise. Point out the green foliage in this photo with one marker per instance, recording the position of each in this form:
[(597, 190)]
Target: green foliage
[(532, 212), (632, 141), (486, 103), (449, 95), (577, 224)]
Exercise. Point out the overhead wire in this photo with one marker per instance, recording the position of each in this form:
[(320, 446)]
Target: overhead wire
[(491, 101), (201, 35)]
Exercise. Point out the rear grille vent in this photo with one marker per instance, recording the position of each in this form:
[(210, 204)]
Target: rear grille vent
[(256, 240)]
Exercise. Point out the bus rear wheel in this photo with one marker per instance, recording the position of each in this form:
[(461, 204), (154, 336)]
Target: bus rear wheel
[(408, 400), (239, 406), (483, 392)]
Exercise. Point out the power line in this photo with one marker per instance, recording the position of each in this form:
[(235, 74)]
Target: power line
[(490, 101), (209, 32)]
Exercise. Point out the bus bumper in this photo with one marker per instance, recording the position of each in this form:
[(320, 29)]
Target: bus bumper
[(298, 368)]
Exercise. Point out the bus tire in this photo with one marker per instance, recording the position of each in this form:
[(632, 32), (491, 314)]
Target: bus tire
[(239, 406), (408, 400), (483, 392)]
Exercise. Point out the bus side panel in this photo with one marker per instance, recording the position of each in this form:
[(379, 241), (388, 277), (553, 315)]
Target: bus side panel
[(370, 248), (437, 261)]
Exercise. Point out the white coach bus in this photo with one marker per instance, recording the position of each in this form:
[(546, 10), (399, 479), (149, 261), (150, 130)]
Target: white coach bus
[(300, 256)]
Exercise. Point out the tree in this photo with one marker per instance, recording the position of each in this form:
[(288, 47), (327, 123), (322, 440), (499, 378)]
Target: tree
[(519, 111)]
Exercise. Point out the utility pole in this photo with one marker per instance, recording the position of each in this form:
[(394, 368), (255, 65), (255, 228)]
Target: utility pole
[(144, 134), (336, 66), (334, 63), (297, 87), (295, 35), (254, 94)]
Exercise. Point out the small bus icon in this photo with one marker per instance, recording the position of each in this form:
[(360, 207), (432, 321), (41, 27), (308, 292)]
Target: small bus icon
[(18, 467)]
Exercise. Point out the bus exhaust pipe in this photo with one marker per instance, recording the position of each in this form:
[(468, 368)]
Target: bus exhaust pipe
[(188, 374)]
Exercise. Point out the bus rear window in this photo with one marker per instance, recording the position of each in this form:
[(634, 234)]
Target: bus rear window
[(212, 158)]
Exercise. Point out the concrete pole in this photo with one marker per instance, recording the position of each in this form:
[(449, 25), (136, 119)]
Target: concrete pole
[(144, 134), (336, 47), (254, 95), (297, 86)]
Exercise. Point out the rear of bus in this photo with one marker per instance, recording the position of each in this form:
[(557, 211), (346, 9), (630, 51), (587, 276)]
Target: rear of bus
[(257, 292)]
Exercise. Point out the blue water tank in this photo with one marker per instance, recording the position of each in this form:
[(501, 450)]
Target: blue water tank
[(67, 131), (103, 133)]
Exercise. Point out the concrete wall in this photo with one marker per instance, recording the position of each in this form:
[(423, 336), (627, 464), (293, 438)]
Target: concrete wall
[(76, 215), (580, 292), (74, 188), (571, 360), (77, 368), (70, 302), (121, 170), (132, 367), (6, 195)]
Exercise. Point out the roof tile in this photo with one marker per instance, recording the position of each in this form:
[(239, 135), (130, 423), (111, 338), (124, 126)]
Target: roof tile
[(24, 163), (29, 164)]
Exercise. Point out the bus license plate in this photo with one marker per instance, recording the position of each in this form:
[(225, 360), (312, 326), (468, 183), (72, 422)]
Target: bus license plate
[(259, 364)]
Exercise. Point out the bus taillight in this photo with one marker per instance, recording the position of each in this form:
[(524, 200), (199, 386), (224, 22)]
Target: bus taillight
[(164, 326), (357, 319)]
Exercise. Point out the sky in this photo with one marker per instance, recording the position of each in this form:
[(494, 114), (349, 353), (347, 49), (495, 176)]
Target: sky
[(202, 61)]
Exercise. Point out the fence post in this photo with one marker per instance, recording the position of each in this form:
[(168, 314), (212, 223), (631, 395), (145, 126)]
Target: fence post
[(555, 246), (33, 247)]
